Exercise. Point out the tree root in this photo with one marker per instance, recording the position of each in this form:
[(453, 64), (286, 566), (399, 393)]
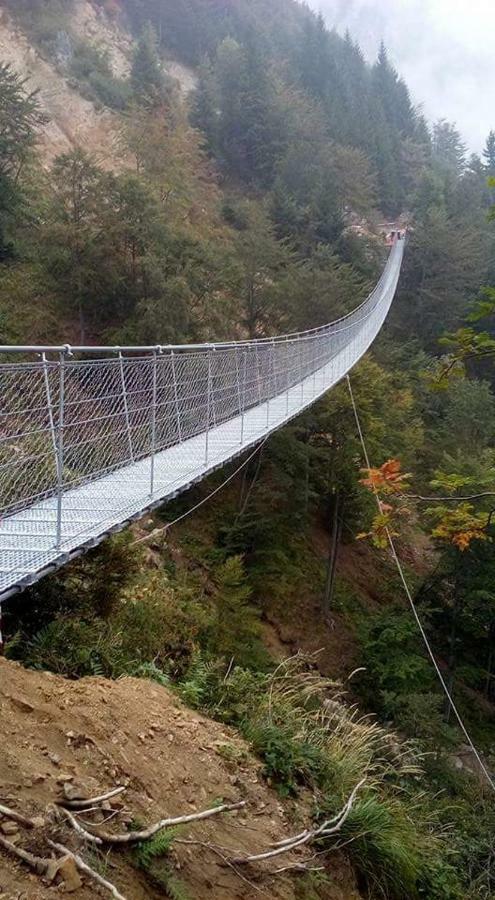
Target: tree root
[(40, 865), (327, 828)]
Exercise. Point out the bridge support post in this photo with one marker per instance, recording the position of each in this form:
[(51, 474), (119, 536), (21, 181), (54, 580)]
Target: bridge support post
[(239, 390), (60, 446), (176, 397), (208, 408), (126, 407), (153, 422)]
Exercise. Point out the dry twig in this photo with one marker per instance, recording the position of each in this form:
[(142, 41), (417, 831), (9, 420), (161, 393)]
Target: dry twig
[(83, 867)]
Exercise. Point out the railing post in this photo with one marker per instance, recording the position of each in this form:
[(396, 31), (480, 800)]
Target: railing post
[(213, 390), (60, 444), (208, 407), (287, 376), (126, 407), (301, 378), (258, 380), (153, 421), (49, 406), (239, 392), (313, 363), (176, 397), (270, 389)]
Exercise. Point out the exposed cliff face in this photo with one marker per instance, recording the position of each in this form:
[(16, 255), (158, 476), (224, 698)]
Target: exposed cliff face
[(73, 120)]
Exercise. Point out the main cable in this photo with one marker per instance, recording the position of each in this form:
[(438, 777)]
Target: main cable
[(413, 606)]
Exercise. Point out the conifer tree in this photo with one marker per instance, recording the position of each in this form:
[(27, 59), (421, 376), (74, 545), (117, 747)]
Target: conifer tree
[(449, 151), (147, 78), (489, 155)]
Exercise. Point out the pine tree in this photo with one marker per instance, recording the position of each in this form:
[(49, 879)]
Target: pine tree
[(489, 155), (449, 151), (147, 78), (236, 632)]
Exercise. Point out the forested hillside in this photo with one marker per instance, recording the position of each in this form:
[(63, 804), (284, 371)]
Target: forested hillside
[(246, 201)]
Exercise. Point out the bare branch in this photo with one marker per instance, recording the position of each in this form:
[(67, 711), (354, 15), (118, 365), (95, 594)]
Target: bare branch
[(83, 867), (91, 801), (17, 817), (37, 863), (146, 833), (449, 499), (327, 828), (88, 836)]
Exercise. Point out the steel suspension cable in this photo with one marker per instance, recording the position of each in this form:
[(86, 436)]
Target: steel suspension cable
[(409, 596), (225, 482)]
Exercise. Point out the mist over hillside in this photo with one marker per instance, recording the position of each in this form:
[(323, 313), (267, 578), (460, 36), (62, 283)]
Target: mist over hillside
[(444, 51)]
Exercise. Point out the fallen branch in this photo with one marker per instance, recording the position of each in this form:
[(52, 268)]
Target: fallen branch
[(17, 817), (327, 828), (130, 836), (91, 801), (39, 865), (87, 835), (83, 867)]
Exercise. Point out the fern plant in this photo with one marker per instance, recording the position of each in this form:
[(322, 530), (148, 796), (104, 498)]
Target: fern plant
[(146, 852)]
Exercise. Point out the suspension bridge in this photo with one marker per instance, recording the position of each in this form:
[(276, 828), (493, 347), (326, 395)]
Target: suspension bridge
[(93, 437)]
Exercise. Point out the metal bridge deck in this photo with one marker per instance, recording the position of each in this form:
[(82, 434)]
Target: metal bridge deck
[(82, 516), (27, 538)]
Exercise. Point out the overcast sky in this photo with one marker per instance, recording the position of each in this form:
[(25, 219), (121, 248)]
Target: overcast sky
[(445, 49)]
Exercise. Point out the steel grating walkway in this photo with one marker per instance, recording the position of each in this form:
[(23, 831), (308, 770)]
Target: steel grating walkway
[(88, 445)]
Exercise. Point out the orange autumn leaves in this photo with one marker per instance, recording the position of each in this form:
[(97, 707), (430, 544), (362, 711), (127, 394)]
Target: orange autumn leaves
[(385, 481), (458, 525), (388, 479)]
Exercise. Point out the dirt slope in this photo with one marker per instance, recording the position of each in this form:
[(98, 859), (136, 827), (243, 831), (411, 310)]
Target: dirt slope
[(73, 120), (173, 760)]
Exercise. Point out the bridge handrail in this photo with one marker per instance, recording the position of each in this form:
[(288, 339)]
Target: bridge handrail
[(318, 331)]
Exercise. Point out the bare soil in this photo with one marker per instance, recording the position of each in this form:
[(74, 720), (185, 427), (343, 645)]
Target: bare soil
[(173, 761)]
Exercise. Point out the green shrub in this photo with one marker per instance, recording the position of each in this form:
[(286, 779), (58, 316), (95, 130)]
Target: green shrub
[(75, 648), (396, 858), (289, 762), (91, 69)]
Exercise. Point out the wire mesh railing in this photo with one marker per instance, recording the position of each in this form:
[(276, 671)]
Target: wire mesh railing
[(70, 416)]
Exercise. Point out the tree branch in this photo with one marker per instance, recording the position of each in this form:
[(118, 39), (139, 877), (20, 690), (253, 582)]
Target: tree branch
[(83, 867), (327, 828), (91, 801), (449, 499), (108, 838), (17, 817)]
